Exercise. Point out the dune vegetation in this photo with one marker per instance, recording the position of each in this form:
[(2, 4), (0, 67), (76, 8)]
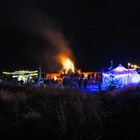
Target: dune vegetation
[(64, 114)]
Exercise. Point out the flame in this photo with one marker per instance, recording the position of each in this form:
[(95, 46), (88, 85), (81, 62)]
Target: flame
[(55, 78), (67, 63)]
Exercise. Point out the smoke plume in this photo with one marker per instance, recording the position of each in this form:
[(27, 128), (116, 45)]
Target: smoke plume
[(56, 44)]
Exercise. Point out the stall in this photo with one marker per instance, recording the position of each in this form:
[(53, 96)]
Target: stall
[(120, 77)]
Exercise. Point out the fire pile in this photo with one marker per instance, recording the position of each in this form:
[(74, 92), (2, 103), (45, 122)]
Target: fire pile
[(67, 65)]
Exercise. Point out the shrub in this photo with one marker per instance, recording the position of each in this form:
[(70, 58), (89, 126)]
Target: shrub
[(45, 113)]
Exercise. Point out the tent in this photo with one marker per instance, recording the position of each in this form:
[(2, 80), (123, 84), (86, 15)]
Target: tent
[(120, 76)]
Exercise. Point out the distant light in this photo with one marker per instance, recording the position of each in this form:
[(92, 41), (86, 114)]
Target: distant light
[(14, 76), (129, 64), (21, 72), (135, 66), (22, 78), (30, 77), (55, 78)]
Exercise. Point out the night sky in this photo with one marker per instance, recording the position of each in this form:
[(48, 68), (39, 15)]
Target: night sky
[(98, 32)]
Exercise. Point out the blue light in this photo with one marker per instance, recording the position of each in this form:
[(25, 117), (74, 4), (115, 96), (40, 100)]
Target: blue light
[(136, 78), (120, 77)]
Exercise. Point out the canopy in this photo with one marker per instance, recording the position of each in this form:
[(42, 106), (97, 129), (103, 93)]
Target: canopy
[(122, 75), (121, 70)]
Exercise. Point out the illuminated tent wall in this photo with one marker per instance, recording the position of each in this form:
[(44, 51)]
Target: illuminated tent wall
[(121, 76)]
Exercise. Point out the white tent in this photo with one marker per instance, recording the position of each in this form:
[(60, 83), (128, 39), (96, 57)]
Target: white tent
[(121, 75)]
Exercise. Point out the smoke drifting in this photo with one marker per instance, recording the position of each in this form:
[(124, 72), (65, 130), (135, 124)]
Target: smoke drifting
[(56, 45), (41, 39), (60, 47)]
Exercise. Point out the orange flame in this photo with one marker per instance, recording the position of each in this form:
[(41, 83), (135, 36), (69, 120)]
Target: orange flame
[(67, 63), (55, 78)]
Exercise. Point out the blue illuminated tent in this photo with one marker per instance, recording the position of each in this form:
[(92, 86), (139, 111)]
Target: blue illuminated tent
[(121, 76)]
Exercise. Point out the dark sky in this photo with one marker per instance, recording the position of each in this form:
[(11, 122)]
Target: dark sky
[(98, 31)]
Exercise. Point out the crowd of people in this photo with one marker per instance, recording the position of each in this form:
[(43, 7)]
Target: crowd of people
[(80, 81), (72, 81), (75, 81)]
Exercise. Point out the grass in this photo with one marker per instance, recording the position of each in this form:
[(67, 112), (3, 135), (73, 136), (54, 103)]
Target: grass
[(44, 113)]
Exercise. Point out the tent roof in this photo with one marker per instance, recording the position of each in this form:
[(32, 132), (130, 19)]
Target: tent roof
[(121, 70)]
